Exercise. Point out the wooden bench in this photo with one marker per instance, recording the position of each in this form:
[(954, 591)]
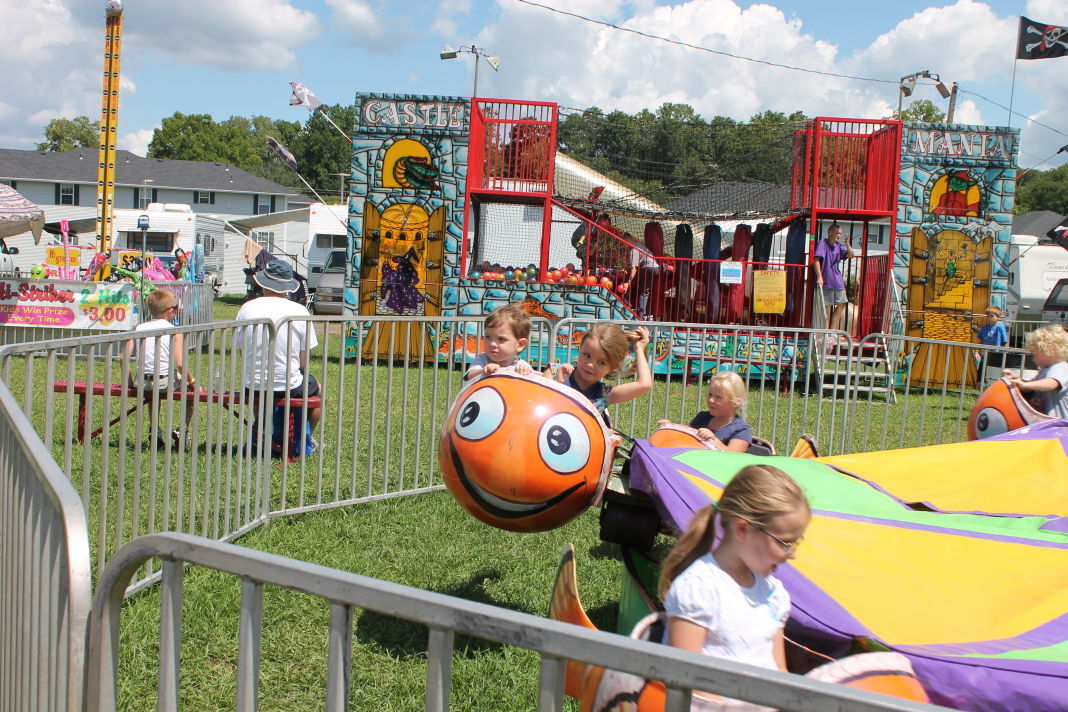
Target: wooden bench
[(83, 390)]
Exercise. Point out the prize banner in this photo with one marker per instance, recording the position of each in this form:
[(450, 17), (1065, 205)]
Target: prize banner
[(769, 291), (67, 304)]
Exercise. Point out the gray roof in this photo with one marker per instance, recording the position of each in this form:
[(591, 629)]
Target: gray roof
[(80, 166), (736, 197), (1036, 222)]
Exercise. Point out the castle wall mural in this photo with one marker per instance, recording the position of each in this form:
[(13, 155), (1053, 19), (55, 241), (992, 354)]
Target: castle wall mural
[(955, 200)]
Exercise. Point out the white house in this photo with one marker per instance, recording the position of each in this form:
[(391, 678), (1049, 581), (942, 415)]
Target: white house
[(64, 184)]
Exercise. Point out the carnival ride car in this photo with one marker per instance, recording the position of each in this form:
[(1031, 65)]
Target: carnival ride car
[(952, 555)]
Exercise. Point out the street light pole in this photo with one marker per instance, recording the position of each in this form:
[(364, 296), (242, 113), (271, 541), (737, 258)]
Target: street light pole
[(479, 52)]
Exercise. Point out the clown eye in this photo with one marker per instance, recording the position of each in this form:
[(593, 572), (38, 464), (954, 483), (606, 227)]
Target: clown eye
[(480, 415), (564, 443), (990, 422)]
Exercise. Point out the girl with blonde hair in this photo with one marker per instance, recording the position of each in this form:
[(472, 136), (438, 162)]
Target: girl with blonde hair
[(721, 423), (721, 598)]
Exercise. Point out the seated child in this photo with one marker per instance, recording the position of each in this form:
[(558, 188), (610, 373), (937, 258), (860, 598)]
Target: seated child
[(993, 333), (507, 334), (720, 423), (601, 352), (1049, 347), (721, 596), (155, 354)]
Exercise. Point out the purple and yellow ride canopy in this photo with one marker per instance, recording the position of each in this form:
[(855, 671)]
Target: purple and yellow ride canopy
[(954, 555)]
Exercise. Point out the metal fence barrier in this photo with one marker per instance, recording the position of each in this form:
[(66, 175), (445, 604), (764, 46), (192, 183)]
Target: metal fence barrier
[(44, 574), (445, 616)]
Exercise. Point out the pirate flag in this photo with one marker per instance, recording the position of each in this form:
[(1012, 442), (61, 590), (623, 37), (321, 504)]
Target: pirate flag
[(1041, 41), (303, 96), (282, 152)]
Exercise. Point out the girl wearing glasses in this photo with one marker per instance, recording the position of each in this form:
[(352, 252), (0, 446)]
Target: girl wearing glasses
[(720, 597)]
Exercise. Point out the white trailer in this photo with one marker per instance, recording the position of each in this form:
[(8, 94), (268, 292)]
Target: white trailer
[(327, 231), (1036, 264)]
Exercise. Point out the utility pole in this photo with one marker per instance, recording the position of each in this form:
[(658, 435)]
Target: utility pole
[(952, 103)]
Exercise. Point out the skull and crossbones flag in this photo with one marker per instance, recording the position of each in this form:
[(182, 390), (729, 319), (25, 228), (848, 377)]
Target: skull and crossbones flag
[(1041, 41), (303, 96)]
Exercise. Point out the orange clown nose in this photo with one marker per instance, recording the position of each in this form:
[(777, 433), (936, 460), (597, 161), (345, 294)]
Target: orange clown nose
[(524, 453)]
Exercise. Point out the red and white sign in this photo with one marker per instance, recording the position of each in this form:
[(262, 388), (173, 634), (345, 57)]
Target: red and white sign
[(68, 304)]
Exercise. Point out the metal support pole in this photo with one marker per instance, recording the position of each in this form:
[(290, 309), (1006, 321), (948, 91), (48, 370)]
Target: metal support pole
[(952, 103)]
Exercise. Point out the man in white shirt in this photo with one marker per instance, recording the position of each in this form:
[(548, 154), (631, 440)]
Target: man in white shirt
[(286, 372)]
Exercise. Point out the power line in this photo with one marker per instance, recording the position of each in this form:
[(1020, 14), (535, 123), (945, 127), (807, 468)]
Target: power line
[(761, 61), (704, 49), (1002, 106)]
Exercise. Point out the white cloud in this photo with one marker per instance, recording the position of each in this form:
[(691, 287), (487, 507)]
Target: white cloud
[(54, 61), (137, 141), (251, 35), (361, 25)]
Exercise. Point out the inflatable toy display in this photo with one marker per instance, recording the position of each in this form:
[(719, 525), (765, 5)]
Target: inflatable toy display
[(1001, 408), (524, 453), (955, 556), (601, 690)]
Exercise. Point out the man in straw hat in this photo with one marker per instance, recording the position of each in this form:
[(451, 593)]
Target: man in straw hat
[(286, 373)]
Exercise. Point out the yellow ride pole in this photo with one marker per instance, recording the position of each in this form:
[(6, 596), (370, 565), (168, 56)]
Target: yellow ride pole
[(109, 125)]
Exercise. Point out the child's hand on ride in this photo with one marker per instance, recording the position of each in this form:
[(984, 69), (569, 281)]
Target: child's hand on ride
[(523, 369), (564, 371), (662, 422), (490, 368), (705, 434), (1008, 373)]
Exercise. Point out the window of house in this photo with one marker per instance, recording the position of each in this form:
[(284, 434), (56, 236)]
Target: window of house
[(67, 194), (203, 197), (263, 204), (144, 197), (331, 242), (265, 239), (9, 183)]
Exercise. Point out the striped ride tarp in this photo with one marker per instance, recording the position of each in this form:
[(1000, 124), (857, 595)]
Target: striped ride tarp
[(954, 555)]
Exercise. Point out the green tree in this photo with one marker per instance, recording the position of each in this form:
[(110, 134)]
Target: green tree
[(321, 150), (923, 111), (1043, 190), (68, 134)]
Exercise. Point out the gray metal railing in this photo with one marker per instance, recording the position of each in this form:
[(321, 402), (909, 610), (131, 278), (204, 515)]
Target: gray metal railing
[(44, 574), (445, 616), (935, 384)]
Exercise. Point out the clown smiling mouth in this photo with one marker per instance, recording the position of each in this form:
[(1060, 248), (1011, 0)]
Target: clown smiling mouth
[(495, 505)]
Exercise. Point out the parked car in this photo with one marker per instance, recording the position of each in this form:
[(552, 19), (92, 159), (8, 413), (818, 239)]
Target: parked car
[(329, 297), (7, 264), (1055, 310)]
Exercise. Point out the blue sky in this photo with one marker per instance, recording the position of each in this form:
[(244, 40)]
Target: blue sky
[(236, 57)]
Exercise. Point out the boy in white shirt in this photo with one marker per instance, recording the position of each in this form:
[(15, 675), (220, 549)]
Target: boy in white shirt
[(155, 356)]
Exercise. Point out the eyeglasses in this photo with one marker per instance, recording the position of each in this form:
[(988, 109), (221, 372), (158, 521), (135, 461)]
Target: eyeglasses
[(787, 546)]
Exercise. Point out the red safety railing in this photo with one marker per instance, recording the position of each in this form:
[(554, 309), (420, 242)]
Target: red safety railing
[(512, 146), (847, 166)]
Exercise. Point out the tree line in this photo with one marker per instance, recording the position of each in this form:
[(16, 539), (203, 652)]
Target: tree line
[(662, 154)]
